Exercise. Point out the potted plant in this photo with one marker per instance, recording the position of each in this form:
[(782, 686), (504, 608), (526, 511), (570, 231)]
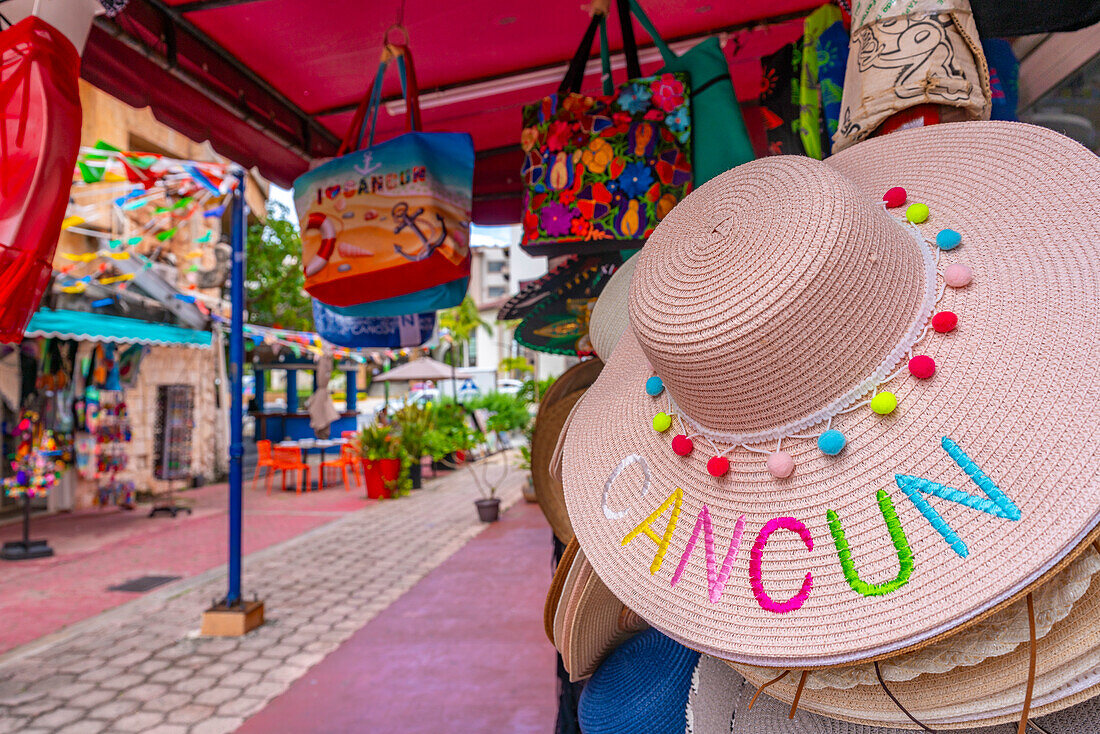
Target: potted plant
[(488, 507), (451, 438), (382, 456), (415, 425)]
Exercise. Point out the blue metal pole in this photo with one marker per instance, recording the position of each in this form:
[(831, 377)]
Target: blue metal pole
[(236, 418)]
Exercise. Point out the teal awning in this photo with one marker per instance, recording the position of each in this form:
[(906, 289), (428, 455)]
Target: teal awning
[(96, 327)]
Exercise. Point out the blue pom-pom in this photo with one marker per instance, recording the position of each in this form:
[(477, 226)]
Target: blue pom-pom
[(831, 442), (948, 239), (654, 386)]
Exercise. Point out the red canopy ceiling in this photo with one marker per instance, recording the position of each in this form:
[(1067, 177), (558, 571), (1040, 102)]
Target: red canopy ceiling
[(273, 83)]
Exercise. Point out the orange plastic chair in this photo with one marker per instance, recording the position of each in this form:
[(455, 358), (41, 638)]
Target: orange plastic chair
[(265, 459), (289, 458), (348, 457)]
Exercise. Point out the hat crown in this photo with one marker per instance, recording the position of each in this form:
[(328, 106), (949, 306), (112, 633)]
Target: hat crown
[(771, 292)]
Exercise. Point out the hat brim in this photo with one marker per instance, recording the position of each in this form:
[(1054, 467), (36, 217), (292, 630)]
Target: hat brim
[(557, 583), (991, 692), (554, 409), (594, 626), (1016, 391)]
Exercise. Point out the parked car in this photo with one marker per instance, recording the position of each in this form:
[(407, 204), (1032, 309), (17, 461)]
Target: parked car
[(509, 386)]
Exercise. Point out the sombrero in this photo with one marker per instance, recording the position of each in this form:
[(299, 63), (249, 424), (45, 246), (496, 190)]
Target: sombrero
[(564, 275), (587, 621), (559, 323), (641, 687), (879, 414), (554, 409), (609, 319)]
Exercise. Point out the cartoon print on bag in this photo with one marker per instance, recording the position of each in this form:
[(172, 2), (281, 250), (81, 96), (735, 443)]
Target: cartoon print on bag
[(405, 220)]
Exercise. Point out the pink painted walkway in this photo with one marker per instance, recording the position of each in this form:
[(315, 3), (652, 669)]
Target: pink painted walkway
[(94, 549), (462, 651)]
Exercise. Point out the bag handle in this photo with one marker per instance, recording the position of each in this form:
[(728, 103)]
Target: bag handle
[(574, 76), (647, 25), (372, 100)]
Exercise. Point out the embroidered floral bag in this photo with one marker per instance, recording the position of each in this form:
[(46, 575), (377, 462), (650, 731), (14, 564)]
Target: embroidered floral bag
[(601, 171)]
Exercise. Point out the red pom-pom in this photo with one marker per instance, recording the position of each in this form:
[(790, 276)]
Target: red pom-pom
[(894, 197), (682, 445), (922, 367), (718, 466), (945, 321)]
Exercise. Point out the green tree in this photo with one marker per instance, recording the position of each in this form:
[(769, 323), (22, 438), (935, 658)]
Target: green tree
[(274, 283), (511, 365), (462, 322)]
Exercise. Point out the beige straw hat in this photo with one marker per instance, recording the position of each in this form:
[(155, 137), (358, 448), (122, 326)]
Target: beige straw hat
[(967, 693), (719, 699), (553, 594), (609, 315), (594, 624), (763, 471), (554, 408)]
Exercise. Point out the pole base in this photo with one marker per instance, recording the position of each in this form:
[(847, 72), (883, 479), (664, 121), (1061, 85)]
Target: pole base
[(22, 550), (225, 621)]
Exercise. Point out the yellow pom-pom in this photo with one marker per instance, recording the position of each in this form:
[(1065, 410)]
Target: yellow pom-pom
[(884, 403), (917, 213), (661, 422)]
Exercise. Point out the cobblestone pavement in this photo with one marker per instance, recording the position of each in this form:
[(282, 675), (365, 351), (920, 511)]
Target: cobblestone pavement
[(143, 668)]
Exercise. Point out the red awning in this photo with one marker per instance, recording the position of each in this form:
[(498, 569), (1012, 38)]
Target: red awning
[(273, 83)]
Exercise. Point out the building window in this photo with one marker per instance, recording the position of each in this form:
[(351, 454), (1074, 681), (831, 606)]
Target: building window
[(496, 291), (496, 266), (471, 352)]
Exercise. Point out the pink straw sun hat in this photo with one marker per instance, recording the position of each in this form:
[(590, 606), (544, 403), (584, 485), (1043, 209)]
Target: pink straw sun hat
[(838, 430)]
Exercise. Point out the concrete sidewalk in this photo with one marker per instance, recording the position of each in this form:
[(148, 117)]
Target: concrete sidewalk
[(98, 548), (142, 667), (463, 651)]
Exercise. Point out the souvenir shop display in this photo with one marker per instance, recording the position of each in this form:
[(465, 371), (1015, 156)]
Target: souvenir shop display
[(38, 148), (108, 422), (600, 171), (36, 463), (717, 428), (172, 441), (389, 220)]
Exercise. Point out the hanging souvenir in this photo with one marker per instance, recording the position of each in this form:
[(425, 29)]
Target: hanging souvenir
[(559, 323), (388, 332), (392, 219), (601, 171)]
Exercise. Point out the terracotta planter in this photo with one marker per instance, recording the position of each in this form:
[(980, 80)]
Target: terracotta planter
[(378, 474)]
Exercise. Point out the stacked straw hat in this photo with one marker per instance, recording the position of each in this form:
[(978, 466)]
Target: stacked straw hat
[(641, 687), (848, 440), (554, 409), (583, 619)]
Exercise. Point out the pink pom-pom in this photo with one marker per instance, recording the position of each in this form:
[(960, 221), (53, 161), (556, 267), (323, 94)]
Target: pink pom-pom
[(781, 464), (957, 275)]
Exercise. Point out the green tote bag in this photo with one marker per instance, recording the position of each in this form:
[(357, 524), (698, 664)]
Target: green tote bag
[(719, 138)]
